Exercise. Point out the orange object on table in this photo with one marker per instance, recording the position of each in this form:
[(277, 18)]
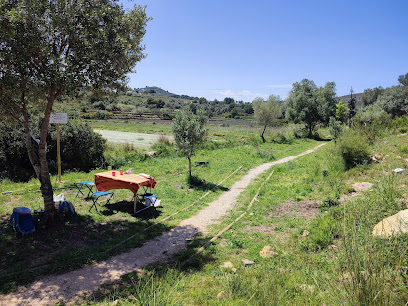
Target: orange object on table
[(105, 181)]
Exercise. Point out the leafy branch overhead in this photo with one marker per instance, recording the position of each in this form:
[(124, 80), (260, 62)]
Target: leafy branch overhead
[(48, 48)]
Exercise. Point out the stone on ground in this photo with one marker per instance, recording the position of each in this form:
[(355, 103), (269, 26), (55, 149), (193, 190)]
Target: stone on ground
[(247, 262), (267, 252), (227, 265), (393, 225)]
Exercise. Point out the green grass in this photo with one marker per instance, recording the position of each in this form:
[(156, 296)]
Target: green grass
[(330, 258), (80, 240)]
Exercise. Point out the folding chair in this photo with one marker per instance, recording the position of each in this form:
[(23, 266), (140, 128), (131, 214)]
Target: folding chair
[(96, 195), (85, 184)]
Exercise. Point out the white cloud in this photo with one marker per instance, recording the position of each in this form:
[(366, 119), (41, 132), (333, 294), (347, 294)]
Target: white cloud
[(245, 95)]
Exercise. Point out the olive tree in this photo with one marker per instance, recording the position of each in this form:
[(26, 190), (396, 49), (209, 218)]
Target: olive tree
[(53, 47), (189, 131), (267, 111), (310, 104)]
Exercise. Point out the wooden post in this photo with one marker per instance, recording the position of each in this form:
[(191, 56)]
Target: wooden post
[(58, 153)]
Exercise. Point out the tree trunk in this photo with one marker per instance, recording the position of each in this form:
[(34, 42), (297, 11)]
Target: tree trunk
[(189, 167), (310, 130), (45, 180), (262, 134)]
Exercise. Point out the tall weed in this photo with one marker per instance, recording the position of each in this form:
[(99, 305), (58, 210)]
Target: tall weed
[(372, 268)]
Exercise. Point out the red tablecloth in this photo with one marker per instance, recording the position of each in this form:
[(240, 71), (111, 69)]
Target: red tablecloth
[(105, 181)]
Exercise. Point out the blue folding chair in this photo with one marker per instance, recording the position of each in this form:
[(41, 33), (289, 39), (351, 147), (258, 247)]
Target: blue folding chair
[(85, 184), (95, 197)]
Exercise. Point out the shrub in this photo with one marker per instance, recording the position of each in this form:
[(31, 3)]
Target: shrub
[(81, 149), (354, 149)]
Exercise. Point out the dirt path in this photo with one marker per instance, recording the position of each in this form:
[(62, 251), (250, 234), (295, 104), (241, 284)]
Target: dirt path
[(67, 287)]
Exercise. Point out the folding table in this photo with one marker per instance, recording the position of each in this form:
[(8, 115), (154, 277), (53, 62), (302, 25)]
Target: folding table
[(105, 181)]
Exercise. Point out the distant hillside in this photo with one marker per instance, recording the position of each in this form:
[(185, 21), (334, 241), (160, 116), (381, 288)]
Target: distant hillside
[(158, 92), (346, 98)]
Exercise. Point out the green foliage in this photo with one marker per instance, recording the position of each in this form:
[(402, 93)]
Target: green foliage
[(403, 79), (394, 100), (341, 112), (48, 48), (81, 149), (310, 104), (335, 128), (370, 96), (266, 111), (189, 131), (371, 121), (353, 147), (329, 202), (322, 231)]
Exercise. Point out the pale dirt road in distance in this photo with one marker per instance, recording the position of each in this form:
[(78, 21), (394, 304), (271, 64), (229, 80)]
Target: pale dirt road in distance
[(141, 140)]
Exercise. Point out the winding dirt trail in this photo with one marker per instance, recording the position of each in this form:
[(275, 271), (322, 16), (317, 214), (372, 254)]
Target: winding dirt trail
[(68, 287)]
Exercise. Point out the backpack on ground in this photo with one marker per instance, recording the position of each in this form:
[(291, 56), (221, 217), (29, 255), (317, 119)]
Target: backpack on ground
[(22, 221), (66, 207)]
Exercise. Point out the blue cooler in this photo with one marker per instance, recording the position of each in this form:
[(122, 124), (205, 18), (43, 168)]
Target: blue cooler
[(22, 221)]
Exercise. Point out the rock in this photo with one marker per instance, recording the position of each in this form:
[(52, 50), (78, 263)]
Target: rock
[(399, 157), (234, 270), (227, 265), (267, 252), (333, 247), (396, 170), (377, 157), (406, 160), (247, 262), (362, 186), (221, 295), (305, 233), (151, 153), (393, 225)]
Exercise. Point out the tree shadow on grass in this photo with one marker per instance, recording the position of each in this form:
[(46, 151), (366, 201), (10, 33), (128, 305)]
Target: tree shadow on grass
[(66, 246), (142, 211), (201, 184)]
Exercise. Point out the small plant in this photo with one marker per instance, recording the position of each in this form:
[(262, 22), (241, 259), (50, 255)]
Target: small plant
[(329, 202), (322, 231), (354, 149)]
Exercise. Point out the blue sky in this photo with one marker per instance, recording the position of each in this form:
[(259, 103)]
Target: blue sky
[(248, 49)]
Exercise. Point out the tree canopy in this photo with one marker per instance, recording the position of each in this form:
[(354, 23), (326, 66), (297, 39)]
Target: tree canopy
[(266, 111), (189, 131), (310, 104), (54, 47)]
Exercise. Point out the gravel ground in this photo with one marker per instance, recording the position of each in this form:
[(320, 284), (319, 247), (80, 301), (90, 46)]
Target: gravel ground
[(68, 287)]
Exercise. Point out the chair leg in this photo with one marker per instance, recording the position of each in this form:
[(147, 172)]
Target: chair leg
[(94, 200), (79, 190), (108, 201)]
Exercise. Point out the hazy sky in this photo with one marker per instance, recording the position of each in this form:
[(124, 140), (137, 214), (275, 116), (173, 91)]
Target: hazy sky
[(248, 49)]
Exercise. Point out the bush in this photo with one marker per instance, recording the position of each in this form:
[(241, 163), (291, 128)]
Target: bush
[(81, 149), (354, 149)]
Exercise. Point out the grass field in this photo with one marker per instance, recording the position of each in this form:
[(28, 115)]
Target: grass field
[(83, 239), (325, 255)]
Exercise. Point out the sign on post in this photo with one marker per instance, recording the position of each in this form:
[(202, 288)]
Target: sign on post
[(59, 118)]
